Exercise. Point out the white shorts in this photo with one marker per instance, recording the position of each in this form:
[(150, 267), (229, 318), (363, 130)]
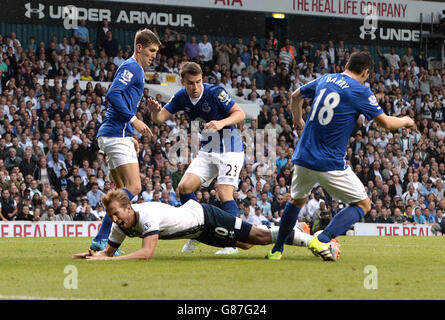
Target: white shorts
[(226, 166), (119, 151), (341, 185)]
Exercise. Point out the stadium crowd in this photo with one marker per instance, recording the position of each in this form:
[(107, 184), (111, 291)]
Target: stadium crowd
[(51, 167)]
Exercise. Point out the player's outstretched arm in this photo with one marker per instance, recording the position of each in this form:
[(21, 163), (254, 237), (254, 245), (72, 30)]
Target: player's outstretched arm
[(236, 115), (297, 110), (146, 252), (107, 252), (393, 123), (158, 113)]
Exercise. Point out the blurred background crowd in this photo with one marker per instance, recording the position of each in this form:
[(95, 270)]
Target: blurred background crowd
[(51, 167)]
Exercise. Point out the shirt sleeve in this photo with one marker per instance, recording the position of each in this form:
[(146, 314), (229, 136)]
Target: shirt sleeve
[(368, 105), (308, 90), (223, 99), (125, 77), (149, 224), (116, 236), (173, 105)]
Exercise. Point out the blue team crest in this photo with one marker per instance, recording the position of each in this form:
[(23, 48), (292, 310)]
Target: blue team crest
[(206, 108)]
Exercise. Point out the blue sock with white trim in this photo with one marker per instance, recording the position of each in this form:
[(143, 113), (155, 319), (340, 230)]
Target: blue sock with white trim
[(342, 222), (231, 207), (287, 224)]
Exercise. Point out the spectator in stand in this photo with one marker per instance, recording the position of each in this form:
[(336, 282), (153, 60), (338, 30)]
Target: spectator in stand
[(110, 45), (82, 36), (191, 49), (102, 33)]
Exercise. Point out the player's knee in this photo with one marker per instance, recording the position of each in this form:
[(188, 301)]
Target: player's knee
[(299, 202), (184, 188), (135, 189), (365, 205)]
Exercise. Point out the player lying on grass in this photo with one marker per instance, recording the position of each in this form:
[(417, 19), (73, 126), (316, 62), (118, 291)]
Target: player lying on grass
[(154, 220)]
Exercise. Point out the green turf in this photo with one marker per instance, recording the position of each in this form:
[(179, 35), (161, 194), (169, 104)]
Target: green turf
[(408, 268)]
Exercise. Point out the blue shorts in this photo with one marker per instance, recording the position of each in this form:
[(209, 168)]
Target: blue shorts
[(221, 229)]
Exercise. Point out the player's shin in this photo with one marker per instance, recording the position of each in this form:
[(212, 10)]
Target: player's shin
[(104, 230), (287, 223), (342, 222)]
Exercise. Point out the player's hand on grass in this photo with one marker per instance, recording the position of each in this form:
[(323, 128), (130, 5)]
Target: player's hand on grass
[(91, 255), (83, 255)]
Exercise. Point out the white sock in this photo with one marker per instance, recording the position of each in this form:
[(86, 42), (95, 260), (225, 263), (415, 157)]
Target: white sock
[(274, 233), (301, 239)]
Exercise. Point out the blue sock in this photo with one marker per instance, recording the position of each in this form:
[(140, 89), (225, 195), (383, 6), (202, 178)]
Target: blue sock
[(287, 224), (104, 230), (231, 207), (342, 222), (187, 196), (129, 194)]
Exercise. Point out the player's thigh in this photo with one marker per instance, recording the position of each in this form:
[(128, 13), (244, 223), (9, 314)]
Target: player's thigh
[(222, 229), (118, 182), (303, 181), (343, 185), (119, 151), (129, 174), (204, 167), (229, 167), (189, 183)]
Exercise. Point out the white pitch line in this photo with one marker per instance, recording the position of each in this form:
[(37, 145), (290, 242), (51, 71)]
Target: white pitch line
[(34, 298)]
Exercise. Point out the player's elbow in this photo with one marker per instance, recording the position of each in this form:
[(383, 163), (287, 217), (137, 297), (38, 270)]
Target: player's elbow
[(242, 115), (296, 95), (384, 121)]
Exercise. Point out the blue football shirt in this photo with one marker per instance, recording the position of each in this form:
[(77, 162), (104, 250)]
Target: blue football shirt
[(123, 98), (214, 104), (337, 102)]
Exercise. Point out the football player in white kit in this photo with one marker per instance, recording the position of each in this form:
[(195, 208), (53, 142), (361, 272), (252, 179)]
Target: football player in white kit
[(152, 221)]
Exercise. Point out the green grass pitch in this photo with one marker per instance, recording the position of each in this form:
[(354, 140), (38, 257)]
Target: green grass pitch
[(407, 268)]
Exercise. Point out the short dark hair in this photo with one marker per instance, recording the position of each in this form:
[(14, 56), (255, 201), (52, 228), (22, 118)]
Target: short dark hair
[(191, 68), (359, 62)]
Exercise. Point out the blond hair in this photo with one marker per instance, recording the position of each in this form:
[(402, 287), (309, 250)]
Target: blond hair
[(118, 195)]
